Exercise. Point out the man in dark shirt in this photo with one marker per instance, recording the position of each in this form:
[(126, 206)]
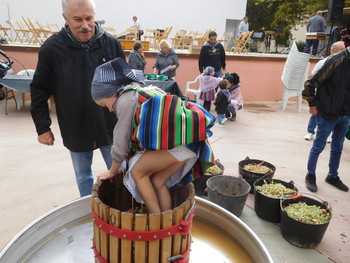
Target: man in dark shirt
[(66, 65), (213, 54), (331, 106)]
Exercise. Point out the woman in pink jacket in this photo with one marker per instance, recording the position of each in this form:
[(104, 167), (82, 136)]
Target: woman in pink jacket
[(236, 96), (208, 83)]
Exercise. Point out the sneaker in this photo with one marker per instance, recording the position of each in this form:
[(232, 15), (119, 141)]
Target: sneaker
[(309, 137), (219, 125), (329, 139), (310, 181), (335, 181), (223, 120)]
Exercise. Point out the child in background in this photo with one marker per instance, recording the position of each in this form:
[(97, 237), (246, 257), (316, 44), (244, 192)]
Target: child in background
[(222, 101), (236, 102), (208, 83)]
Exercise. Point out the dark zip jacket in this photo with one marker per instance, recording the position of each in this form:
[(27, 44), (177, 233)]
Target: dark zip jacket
[(65, 70), (329, 87), (212, 55)]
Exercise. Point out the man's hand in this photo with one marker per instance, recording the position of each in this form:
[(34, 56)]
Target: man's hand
[(313, 110), (46, 138)]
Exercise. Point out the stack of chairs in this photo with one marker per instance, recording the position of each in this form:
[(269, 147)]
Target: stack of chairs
[(226, 39), (240, 44), (294, 75), (22, 33), (4, 33)]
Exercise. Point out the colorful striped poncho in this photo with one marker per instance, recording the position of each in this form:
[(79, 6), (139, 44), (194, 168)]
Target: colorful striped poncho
[(164, 121)]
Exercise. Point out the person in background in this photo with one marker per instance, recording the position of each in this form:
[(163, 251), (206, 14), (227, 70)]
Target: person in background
[(213, 54), (331, 105), (345, 36), (316, 24), (221, 102), (137, 24), (66, 65), (243, 26), (335, 48), (236, 102), (208, 84), (166, 61), (101, 22), (137, 58)]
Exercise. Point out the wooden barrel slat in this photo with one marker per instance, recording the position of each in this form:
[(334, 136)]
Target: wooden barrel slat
[(178, 215), (96, 202), (186, 240), (154, 223), (114, 242), (165, 243), (127, 221), (140, 246), (104, 237)]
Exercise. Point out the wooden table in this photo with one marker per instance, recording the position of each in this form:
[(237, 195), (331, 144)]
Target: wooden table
[(317, 37), (129, 44)]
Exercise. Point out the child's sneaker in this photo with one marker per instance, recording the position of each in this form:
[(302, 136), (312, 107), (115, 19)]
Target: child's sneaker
[(219, 125)]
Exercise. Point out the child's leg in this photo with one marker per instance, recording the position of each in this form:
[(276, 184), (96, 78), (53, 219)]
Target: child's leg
[(220, 118), (149, 164), (206, 105), (159, 180)]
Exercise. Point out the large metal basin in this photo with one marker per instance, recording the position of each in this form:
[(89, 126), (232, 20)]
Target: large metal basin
[(65, 233)]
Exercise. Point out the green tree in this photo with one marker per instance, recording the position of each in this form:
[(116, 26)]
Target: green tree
[(285, 14)]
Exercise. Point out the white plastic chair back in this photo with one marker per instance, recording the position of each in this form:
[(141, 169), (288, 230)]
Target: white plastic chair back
[(196, 92)]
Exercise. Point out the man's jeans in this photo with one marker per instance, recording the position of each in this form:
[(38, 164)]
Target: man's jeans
[(324, 129), (312, 124), (82, 162), (218, 74), (312, 43)]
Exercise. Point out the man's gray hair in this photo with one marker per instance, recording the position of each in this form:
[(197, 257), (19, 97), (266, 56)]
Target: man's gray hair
[(79, 2), (339, 45)]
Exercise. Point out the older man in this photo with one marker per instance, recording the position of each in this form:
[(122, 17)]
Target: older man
[(67, 61), (332, 109)]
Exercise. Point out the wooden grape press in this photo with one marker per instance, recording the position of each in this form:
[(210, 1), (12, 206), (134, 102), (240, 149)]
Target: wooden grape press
[(124, 234)]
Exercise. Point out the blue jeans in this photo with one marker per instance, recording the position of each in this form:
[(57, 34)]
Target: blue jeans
[(220, 118), (218, 74), (82, 162), (311, 43), (312, 124), (324, 129), (232, 109)]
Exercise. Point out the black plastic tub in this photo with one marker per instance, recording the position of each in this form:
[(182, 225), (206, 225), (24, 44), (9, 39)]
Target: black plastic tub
[(302, 234), (266, 207), (200, 184), (251, 177)]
